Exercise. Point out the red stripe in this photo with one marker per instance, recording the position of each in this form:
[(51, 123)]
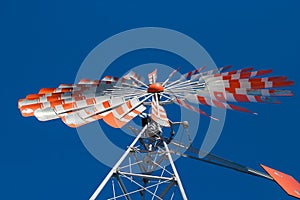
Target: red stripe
[(238, 108), (106, 104), (189, 74), (218, 104), (241, 98), (277, 78), (263, 72), (234, 84), (245, 75), (258, 85), (247, 69), (258, 99), (202, 100), (219, 96), (283, 84), (232, 72), (231, 90)]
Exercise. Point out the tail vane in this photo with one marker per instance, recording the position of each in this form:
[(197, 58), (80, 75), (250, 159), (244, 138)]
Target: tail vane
[(286, 182)]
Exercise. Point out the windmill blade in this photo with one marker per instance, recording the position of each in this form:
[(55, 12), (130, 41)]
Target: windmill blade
[(124, 113), (198, 72), (170, 76), (190, 74), (73, 91), (197, 154), (54, 90), (225, 68), (235, 76), (86, 115), (211, 102), (84, 102), (76, 119), (231, 85), (65, 98), (63, 102), (247, 69), (53, 99), (158, 113), (76, 114), (29, 109), (220, 72), (233, 97), (212, 72), (71, 113), (152, 77), (245, 74), (263, 92), (187, 77), (88, 81), (184, 104), (132, 79), (216, 76)]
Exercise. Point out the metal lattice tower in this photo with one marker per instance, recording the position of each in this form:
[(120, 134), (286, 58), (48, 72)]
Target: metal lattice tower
[(145, 171)]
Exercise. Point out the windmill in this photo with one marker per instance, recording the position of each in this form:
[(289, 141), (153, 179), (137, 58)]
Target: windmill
[(146, 170)]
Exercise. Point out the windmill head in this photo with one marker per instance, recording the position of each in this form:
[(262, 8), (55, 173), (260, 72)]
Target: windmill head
[(118, 100)]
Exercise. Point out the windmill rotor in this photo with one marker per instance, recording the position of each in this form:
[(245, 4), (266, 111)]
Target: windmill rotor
[(147, 163)]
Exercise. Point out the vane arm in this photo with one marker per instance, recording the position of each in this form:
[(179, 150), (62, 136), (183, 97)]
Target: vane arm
[(216, 160), (140, 103), (160, 103), (194, 73), (185, 84), (138, 81), (170, 76), (131, 86)]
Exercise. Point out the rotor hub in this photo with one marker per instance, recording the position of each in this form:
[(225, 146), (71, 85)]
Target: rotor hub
[(155, 88)]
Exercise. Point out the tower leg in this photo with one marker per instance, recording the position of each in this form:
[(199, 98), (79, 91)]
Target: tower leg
[(113, 170), (179, 183)]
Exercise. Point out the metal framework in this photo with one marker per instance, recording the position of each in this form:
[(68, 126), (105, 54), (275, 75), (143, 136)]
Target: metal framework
[(144, 173)]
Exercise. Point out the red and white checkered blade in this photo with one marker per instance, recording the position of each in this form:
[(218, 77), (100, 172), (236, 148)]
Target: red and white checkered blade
[(194, 98), (158, 113), (264, 92), (132, 79), (76, 104), (183, 103), (86, 115), (244, 74), (152, 77), (124, 113), (233, 97), (170, 76), (253, 83)]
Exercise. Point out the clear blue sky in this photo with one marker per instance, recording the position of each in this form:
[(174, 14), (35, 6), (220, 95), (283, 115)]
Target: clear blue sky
[(42, 44)]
